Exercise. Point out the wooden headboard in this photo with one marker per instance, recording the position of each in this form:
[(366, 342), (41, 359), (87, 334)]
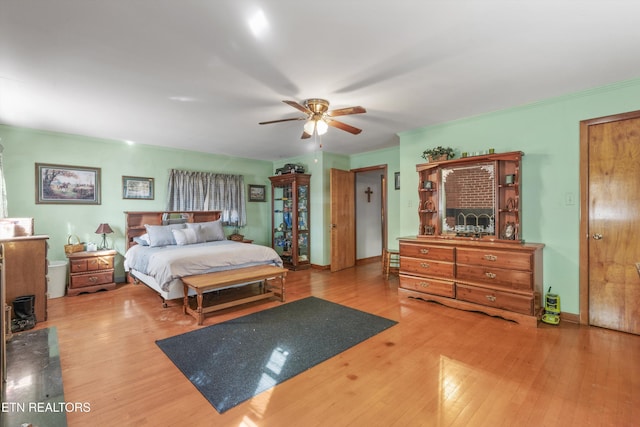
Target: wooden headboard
[(135, 221)]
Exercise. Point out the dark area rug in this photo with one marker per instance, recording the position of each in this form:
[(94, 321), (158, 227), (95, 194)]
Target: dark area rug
[(235, 360)]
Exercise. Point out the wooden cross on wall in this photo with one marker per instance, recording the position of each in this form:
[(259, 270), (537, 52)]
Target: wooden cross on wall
[(369, 193)]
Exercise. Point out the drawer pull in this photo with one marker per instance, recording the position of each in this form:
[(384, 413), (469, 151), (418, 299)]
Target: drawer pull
[(491, 298), (490, 257), (424, 265), (424, 284), (93, 279), (490, 275), (424, 251)]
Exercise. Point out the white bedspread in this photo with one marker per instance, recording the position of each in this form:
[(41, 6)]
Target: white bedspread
[(167, 263)]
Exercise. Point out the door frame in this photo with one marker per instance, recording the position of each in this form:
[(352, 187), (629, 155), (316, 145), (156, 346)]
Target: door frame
[(584, 206), (383, 171), (384, 207)]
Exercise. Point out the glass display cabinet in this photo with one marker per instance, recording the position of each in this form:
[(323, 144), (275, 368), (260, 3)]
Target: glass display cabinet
[(290, 219)]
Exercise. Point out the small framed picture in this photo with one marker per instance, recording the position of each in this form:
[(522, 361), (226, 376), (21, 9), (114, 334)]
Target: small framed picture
[(61, 184), (509, 231), (257, 193), (396, 177), (137, 187)]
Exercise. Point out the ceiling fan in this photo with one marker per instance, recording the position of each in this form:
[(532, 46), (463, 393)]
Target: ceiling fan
[(319, 118)]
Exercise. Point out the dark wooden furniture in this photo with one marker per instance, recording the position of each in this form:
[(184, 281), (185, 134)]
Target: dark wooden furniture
[(290, 235), (136, 220), (91, 272), (202, 283), (25, 271)]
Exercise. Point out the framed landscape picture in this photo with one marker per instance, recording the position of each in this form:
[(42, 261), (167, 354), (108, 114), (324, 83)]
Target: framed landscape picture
[(62, 184), (136, 187), (257, 193)]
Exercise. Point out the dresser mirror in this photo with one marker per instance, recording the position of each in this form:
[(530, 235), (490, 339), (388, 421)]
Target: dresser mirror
[(471, 198), (467, 200)]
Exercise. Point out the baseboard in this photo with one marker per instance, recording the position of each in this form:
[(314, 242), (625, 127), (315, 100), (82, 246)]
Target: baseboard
[(369, 260), (570, 317)]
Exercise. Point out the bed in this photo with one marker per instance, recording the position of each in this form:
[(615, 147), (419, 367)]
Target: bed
[(165, 246)]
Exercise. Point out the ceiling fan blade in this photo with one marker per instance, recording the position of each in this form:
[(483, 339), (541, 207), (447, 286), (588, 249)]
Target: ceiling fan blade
[(282, 120), (305, 135), (346, 111), (298, 106), (344, 126)]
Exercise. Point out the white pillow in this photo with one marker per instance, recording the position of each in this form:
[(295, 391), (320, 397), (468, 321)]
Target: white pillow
[(160, 235), (185, 236), (210, 231), (142, 240)]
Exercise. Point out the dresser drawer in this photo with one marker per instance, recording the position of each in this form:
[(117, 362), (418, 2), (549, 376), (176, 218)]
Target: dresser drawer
[(510, 279), (424, 267), (436, 253), (91, 279), (91, 264), (498, 299), (501, 259), (429, 286)]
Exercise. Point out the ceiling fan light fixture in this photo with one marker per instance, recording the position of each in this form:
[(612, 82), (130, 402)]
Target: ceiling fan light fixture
[(321, 127), (310, 126), (318, 118)]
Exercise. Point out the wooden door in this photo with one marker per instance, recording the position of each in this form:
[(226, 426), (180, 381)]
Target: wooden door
[(343, 216), (612, 235)]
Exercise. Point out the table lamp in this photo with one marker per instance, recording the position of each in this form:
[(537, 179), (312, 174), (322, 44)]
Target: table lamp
[(104, 229)]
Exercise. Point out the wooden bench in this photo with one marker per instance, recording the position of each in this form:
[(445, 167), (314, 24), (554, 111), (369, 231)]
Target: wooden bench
[(202, 283)]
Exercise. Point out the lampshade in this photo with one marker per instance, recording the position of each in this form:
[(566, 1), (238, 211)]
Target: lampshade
[(310, 126), (319, 126), (104, 229)]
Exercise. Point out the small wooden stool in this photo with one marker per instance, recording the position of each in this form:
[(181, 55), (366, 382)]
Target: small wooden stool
[(390, 262)]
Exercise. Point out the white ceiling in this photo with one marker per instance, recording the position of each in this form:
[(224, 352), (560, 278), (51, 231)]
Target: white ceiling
[(192, 74)]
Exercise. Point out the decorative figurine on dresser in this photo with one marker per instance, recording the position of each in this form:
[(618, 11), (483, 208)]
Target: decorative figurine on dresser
[(290, 219), (469, 253), (91, 271)]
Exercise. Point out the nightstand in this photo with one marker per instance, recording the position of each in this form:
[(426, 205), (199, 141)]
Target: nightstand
[(91, 271)]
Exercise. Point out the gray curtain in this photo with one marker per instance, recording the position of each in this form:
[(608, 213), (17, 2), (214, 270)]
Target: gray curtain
[(3, 189), (204, 191)]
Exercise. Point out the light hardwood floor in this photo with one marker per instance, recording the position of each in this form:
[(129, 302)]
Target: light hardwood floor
[(437, 367)]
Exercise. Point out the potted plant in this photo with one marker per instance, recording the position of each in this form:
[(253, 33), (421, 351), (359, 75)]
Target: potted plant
[(438, 154)]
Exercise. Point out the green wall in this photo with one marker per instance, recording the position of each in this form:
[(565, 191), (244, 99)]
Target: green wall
[(25, 147), (548, 133)]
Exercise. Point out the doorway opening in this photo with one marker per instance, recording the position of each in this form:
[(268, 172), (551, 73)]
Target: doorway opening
[(370, 218)]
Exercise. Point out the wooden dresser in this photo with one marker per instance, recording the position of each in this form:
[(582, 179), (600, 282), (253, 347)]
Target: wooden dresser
[(25, 271), (499, 279), (91, 271)]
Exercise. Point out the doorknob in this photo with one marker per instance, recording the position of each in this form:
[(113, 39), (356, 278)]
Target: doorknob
[(333, 225), (597, 236)]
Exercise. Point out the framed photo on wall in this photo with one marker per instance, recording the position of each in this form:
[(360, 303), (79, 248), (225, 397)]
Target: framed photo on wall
[(396, 177), (137, 187), (62, 184), (257, 193)]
